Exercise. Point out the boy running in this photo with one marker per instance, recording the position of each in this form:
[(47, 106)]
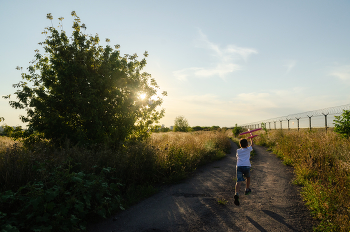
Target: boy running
[(243, 167)]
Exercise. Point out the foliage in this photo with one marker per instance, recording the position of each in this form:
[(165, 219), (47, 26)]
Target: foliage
[(50, 189), (158, 128), (5, 143), (13, 132), (321, 163), (197, 128), (263, 126), (155, 128), (165, 129), (222, 201), (8, 130), (181, 124), (205, 128), (2, 119), (86, 93), (65, 202), (181, 153), (342, 124), (237, 130), (214, 128)]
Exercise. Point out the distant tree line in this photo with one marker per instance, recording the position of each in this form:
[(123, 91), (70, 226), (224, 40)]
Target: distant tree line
[(206, 128), (181, 125), (13, 132), (188, 129)]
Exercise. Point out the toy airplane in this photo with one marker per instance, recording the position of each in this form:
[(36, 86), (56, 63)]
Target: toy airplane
[(250, 132)]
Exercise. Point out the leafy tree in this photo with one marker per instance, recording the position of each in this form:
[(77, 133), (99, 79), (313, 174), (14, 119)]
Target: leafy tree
[(181, 124), (263, 126), (342, 124), (237, 130), (165, 129), (13, 132), (197, 128), (156, 128), (8, 130), (214, 128), (87, 93), (2, 119), (159, 128)]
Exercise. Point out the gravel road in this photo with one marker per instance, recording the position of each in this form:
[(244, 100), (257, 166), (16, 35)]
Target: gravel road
[(193, 205)]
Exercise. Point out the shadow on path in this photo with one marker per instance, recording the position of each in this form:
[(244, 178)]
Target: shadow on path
[(278, 218), (259, 227)]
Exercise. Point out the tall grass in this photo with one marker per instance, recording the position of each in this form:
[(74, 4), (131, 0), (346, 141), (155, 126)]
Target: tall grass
[(321, 163), (5, 142), (43, 188), (180, 153)]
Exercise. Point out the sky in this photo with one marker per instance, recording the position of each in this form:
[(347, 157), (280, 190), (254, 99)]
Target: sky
[(221, 62)]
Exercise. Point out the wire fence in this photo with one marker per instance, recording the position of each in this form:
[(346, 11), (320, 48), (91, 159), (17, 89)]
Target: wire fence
[(310, 119)]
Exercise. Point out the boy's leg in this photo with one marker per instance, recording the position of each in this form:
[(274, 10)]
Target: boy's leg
[(238, 186), (247, 175), (236, 197)]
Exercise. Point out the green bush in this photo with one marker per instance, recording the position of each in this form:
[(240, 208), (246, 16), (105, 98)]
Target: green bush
[(342, 124), (181, 124), (65, 202), (237, 130)]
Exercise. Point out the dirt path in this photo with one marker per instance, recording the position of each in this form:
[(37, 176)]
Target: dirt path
[(273, 205)]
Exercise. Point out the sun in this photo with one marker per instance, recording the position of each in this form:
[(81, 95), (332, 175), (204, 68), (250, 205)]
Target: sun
[(142, 96)]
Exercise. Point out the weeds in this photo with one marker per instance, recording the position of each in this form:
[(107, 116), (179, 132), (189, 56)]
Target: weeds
[(222, 201), (48, 189), (5, 142), (321, 163)]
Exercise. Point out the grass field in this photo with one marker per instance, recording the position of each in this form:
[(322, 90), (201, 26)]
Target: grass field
[(48, 189), (321, 164)]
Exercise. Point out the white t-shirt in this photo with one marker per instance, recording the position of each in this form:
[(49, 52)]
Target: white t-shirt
[(243, 156)]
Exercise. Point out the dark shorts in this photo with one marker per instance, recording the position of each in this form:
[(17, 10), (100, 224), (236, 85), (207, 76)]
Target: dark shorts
[(241, 172)]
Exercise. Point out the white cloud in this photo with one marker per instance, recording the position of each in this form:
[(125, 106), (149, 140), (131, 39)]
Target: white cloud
[(342, 72), (290, 65), (210, 109), (225, 60), (277, 103), (243, 52)]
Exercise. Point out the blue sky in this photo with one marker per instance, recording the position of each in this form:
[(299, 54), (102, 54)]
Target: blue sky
[(221, 62)]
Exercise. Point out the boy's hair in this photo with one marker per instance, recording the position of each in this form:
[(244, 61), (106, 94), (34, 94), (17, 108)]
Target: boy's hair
[(243, 143)]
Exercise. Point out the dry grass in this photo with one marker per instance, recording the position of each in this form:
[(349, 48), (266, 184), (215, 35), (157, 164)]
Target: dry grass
[(179, 153), (163, 157), (5, 142), (322, 166), (93, 183)]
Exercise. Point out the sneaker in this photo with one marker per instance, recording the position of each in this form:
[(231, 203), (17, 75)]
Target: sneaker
[(247, 191), (236, 200)]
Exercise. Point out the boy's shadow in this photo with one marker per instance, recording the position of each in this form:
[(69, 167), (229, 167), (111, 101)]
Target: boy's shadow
[(275, 216)]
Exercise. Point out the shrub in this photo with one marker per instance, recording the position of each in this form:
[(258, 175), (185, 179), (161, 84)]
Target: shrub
[(237, 130), (65, 202), (181, 124), (342, 124)]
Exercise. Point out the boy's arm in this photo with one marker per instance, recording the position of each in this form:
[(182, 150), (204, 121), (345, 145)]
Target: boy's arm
[(251, 141)]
